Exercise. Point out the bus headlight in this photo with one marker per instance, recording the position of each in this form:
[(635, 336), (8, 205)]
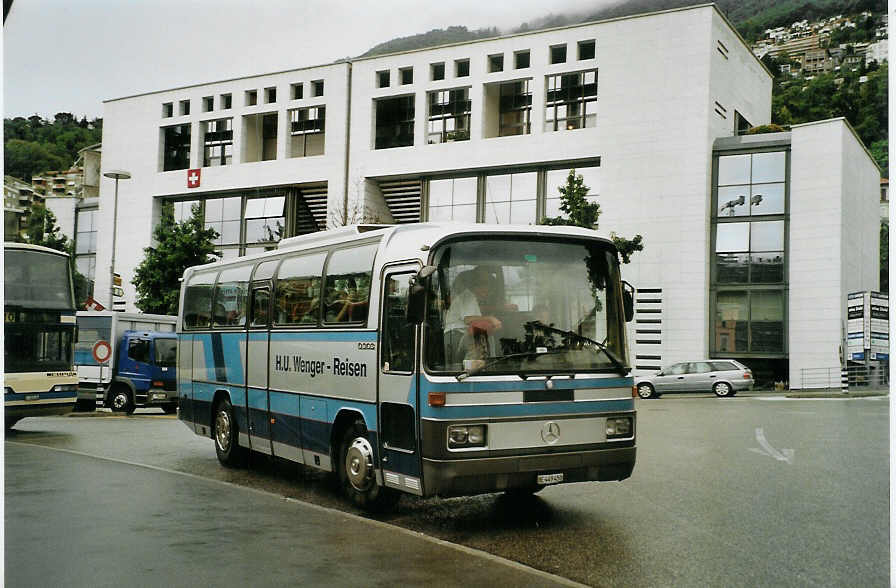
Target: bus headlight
[(618, 427), (466, 436)]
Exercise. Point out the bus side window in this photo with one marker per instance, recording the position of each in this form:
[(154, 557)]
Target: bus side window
[(297, 294), (261, 301), (347, 290), (398, 334)]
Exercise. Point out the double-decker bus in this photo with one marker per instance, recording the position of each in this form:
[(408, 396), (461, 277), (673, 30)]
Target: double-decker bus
[(39, 329), (429, 359)]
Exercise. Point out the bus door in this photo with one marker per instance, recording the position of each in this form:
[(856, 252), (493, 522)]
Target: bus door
[(398, 395), (257, 344)]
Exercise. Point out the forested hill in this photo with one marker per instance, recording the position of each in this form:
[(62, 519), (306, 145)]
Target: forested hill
[(751, 17)]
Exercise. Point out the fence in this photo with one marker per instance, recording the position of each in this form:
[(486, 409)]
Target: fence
[(851, 377)]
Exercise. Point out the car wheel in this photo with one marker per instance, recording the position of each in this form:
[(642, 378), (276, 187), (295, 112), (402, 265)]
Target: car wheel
[(646, 390), (356, 471), (226, 436), (722, 389), (120, 400)]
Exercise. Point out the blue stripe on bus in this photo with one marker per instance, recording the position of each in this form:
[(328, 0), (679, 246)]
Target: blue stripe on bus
[(22, 396)]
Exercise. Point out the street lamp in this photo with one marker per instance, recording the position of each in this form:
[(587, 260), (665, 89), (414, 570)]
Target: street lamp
[(115, 174)]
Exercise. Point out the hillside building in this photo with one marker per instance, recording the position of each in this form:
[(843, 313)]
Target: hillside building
[(751, 242)]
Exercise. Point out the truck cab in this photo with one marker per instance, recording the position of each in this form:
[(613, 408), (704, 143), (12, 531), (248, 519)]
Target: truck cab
[(146, 372)]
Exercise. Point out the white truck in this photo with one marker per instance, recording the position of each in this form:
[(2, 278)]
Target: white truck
[(126, 360)]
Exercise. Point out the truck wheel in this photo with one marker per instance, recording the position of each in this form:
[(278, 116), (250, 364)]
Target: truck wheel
[(356, 471), (120, 400), (226, 435)]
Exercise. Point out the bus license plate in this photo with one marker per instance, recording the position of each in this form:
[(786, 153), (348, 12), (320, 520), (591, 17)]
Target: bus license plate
[(550, 478)]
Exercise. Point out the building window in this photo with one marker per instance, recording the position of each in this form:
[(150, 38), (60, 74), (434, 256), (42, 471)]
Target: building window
[(515, 108), (521, 59), (510, 198), (741, 125), (749, 321), (394, 122), (557, 178), (496, 63), (167, 110), (218, 142), (449, 115), (586, 49), (85, 245), (438, 71), (176, 147), (382, 79), (571, 101), (307, 131), (453, 199), (751, 184), (296, 91), (183, 210), (749, 271), (208, 104), (184, 107), (406, 75), (226, 101), (223, 215), (265, 220), (270, 95), (461, 68), (558, 54), (251, 97), (260, 137), (317, 88)]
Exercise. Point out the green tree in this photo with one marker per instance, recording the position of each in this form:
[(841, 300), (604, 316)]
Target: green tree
[(178, 246), (580, 212), (42, 230)]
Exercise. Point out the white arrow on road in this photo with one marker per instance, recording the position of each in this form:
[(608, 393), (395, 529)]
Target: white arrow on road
[(767, 449)]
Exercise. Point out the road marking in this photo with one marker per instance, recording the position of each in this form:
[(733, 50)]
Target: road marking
[(767, 449)]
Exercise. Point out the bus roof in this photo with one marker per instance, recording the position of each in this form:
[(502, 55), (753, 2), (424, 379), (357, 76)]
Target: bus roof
[(403, 242), (30, 247)]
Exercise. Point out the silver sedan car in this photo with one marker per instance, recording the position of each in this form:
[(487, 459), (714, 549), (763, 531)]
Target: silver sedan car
[(723, 377)]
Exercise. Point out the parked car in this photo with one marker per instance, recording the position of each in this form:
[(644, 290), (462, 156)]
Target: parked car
[(723, 377)]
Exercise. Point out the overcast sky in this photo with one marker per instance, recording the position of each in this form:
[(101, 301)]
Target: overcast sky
[(70, 55)]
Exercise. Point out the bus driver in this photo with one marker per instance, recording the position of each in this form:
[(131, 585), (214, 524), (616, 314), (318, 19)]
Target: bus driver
[(469, 326)]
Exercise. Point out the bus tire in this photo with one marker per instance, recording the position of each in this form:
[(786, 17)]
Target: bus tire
[(169, 408), (356, 471), (120, 400), (11, 421), (82, 405), (226, 435)]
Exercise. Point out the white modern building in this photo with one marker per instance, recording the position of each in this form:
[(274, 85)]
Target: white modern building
[(650, 109)]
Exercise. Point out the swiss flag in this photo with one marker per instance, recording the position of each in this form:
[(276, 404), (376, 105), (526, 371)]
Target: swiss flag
[(193, 176), (91, 304)]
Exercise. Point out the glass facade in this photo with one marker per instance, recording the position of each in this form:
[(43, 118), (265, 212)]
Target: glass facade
[(749, 275)]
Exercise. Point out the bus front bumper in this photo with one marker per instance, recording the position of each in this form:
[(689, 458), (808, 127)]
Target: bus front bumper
[(496, 474)]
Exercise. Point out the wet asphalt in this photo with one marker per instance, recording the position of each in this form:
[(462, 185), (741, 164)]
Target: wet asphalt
[(753, 490)]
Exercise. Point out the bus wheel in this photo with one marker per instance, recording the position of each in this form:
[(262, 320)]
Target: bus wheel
[(356, 471), (10, 421), (524, 491), (226, 433), (169, 408), (120, 400)]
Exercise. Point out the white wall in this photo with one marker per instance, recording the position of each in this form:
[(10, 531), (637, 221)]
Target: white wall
[(63, 208), (132, 141), (833, 239)]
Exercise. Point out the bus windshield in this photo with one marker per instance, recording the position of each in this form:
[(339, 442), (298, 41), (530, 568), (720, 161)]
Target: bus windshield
[(36, 279), (514, 306)]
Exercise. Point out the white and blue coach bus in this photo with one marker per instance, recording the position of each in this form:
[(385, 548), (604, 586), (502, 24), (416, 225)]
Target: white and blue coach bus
[(430, 359)]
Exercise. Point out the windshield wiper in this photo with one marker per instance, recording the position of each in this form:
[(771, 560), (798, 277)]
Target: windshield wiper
[(490, 361), (582, 339)]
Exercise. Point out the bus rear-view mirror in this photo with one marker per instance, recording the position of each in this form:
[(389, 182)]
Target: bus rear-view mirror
[(417, 295)]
